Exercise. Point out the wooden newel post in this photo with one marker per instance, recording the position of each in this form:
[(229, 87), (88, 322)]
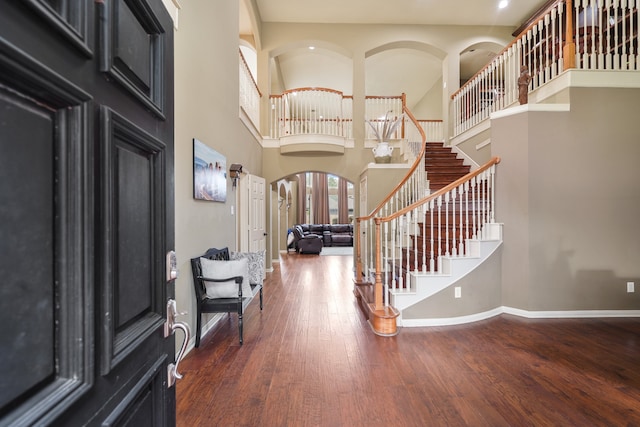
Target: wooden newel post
[(569, 49), (378, 303), (357, 236)]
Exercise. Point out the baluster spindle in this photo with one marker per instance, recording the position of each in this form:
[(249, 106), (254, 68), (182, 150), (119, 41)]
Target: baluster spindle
[(407, 249), (465, 229), (474, 202), (554, 44), (631, 61), (400, 248), (439, 252), (454, 249), (561, 36), (492, 216), (593, 33), (546, 48), (384, 249), (432, 254)]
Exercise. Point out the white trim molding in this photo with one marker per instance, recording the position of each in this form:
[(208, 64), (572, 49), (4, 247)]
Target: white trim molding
[(568, 314)]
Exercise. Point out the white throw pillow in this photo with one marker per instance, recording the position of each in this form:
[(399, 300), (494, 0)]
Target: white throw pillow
[(214, 269), (255, 264)]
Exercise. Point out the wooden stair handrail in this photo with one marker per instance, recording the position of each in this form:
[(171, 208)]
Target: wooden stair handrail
[(442, 191), (244, 61), (514, 41), (419, 160)]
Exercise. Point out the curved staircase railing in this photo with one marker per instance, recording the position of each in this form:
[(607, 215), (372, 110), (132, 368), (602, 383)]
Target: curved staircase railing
[(393, 242), (410, 189)]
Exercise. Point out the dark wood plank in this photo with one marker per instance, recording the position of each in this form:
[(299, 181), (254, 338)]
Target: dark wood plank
[(310, 358)]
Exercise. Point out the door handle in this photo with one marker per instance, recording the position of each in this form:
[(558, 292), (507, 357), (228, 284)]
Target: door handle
[(170, 327)]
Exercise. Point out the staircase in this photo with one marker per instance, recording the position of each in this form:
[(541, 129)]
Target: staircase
[(431, 248), (439, 204), (442, 165), (450, 241)]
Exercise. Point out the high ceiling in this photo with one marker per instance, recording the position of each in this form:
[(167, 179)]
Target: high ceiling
[(432, 12), (414, 72)]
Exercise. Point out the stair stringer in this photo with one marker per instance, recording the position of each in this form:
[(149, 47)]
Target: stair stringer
[(454, 268)]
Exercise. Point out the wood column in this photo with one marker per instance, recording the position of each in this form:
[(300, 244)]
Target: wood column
[(569, 49)]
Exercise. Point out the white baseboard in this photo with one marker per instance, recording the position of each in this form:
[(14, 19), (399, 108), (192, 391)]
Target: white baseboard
[(569, 314), (448, 321)]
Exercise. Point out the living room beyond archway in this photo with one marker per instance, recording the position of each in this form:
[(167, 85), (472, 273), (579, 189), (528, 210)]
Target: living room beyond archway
[(324, 198), (309, 198)]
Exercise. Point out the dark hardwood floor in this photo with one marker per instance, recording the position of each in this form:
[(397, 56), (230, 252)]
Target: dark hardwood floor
[(310, 359)]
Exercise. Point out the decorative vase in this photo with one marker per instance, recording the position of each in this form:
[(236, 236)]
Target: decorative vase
[(382, 152)]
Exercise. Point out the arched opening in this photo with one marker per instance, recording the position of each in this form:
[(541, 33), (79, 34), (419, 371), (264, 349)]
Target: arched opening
[(412, 68), (475, 57), (311, 63), (310, 197)]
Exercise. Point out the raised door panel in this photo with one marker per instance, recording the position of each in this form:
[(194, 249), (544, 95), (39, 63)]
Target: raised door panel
[(43, 217), (131, 236), (131, 46)]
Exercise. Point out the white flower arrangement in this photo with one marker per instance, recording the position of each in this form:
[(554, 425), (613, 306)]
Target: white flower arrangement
[(388, 126)]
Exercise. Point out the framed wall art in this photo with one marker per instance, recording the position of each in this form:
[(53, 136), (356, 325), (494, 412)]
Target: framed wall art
[(209, 173)]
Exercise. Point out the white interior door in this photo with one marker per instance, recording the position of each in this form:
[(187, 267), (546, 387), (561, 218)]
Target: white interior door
[(252, 214)]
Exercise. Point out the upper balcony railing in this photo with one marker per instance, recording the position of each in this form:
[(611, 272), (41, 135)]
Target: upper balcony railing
[(605, 38), (313, 111), (249, 93), (306, 111)]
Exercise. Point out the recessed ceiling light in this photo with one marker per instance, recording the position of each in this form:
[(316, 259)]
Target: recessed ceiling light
[(503, 4), (311, 47)]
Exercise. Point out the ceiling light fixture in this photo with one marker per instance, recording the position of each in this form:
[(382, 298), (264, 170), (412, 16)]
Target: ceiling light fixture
[(503, 4), (312, 47)]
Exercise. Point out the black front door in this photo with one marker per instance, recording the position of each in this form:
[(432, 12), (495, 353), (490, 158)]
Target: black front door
[(86, 212)]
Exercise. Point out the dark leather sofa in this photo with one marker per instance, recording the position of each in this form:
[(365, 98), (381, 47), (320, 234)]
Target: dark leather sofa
[(305, 243), (331, 234)]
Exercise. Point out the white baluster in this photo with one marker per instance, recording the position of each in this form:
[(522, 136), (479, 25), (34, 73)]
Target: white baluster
[(466, 220), (454, 249), (400, 231), (553, 60), (492, 171), (408, 244), (593, 56), (631, 62), (609, 56), (423, 234), (547, 49), (474, 190), (439, 227), (561, 37), (432, 264)]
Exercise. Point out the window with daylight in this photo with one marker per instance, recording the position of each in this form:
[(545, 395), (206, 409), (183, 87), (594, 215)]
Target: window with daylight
[(326, 199)]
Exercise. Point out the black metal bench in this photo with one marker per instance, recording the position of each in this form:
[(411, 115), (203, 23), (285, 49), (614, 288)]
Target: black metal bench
[(205, 304)]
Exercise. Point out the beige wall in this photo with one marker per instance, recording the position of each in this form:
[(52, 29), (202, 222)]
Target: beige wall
[(430, 106), (480, 292), (381, 180), (568, 194), (206, 107), (475, 146)]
